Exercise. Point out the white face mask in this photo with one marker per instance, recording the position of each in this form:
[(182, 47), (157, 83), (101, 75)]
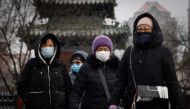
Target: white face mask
[(103, 55), (47, 52)]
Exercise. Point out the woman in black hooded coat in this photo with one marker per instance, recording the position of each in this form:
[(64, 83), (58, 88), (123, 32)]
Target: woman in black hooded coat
[(44, 82), (152, 64)]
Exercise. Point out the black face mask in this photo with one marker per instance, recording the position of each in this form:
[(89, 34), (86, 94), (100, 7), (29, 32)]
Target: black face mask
[(144, 39)]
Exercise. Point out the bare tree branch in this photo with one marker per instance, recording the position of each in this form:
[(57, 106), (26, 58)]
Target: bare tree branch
[(5, 82)]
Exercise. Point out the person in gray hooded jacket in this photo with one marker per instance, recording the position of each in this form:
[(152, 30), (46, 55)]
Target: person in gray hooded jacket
[(77, 60), (44, 82)]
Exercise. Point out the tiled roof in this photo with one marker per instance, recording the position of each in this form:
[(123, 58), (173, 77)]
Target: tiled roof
[(148, 5), (72, 33), (78, 1)]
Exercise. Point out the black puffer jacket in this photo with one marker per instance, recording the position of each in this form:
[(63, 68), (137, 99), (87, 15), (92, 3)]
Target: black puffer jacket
[(152, 65), (43, 85), (88, 82)]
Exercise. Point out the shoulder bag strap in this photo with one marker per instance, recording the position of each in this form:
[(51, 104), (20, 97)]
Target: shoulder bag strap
[(131, 67), (133, 106), (104, 84)]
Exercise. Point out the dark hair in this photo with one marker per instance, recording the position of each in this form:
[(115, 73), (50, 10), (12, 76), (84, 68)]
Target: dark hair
[(44, 40)]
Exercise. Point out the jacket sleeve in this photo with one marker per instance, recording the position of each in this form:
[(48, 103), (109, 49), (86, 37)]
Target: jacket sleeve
[(78, 88), (121, 80), (23, 82), (68, 86), (171, 81)]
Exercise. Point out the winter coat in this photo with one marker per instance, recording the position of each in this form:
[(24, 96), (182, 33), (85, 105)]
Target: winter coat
[(88, 84), (152, 65), (43, 85)]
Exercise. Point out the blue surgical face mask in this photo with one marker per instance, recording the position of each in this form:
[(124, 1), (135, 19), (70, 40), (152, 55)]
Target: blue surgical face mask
[(75, 68), (47, 52)]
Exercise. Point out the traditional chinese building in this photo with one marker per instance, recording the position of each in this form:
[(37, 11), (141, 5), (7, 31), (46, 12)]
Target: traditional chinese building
[(77, 22)]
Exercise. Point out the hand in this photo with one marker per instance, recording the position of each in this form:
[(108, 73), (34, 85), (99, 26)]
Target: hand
[(113, 107)]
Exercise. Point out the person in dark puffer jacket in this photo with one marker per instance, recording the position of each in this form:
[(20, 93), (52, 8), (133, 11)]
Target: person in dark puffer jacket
[(44, 82), (88, 85), (152, 64)]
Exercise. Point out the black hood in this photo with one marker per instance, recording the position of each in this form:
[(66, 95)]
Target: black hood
[(57, 47), (95, 63), (157, 33)]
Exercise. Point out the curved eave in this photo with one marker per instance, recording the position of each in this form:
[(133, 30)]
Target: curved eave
[(85, 33), (60, 2)]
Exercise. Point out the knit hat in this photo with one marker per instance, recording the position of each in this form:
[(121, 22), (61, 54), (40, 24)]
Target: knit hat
[(102, 40), (145, 20)]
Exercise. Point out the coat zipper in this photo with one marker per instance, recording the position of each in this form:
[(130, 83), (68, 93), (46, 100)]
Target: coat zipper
[(49, 86)]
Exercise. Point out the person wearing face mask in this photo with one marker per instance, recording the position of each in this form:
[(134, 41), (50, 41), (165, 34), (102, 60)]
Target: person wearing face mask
[(88, 84), (146, 76), (77, 60), (44, 82)]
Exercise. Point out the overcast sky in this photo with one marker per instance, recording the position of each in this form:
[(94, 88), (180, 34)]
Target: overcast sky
[(126, 8)]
